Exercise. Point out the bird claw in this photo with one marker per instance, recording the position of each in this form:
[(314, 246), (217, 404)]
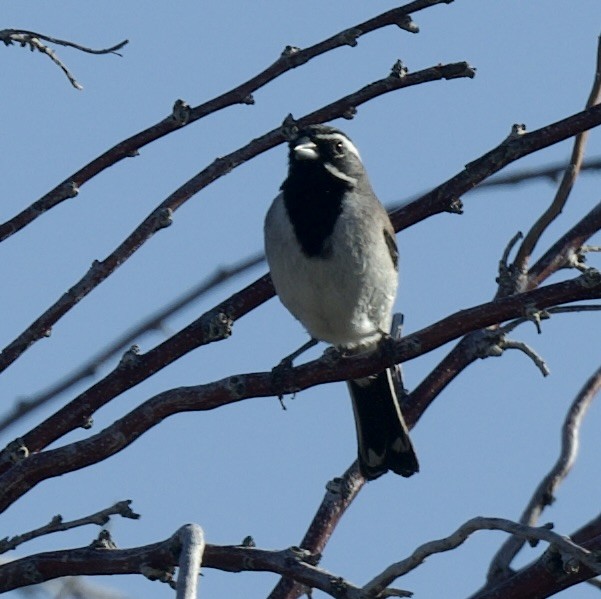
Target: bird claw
[(280, 376), (387, 347)]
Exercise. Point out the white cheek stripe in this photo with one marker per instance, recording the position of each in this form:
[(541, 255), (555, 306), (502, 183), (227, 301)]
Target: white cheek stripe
[(339, 174), (348, 144)]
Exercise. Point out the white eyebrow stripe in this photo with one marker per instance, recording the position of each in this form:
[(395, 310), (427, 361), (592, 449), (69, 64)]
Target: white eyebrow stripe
[(348, 144)]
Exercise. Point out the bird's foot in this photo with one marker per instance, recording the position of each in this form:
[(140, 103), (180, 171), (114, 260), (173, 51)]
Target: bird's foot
[(387, 347), (281, 377), (282, 372)]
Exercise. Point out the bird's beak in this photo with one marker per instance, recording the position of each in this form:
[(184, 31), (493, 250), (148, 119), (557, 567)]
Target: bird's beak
[(305, 149)]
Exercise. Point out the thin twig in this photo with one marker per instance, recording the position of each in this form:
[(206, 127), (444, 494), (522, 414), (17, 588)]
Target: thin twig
[(570, 549), (539, 362), (6, 36), (567, 182), (154, 322), (56, 524), (515, 177), (544, 493), (32, 39), (567, 250), (550, 172)]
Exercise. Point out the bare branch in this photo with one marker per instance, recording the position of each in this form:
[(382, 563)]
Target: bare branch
[(340, 493), (57, 525), (32, 39), (242, 94), (157, 561), (154, 322), (8, 37), (77, 413), (161, 217), (467, 351), (570, 550), (530, 352), (550, 573), (446, 197), (565, 187), (551, 172), (190, 558), (35, 467), (565, 251), (544, 493)]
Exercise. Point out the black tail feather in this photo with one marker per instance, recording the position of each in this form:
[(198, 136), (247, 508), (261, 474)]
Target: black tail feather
[(382, 435)]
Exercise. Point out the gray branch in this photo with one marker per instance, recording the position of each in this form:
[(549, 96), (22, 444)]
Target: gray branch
[(544, 494), (32, 40), (191, 538), (569, 550), (56, 524)]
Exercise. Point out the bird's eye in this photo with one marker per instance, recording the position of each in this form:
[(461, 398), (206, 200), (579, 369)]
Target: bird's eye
[(339, 147)]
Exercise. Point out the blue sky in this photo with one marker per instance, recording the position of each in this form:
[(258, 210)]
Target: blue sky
[(252, 468)]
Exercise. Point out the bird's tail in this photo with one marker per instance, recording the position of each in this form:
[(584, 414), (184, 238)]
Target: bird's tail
[(382, 435)]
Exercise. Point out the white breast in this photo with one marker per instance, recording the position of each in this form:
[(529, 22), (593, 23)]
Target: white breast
[(345, 299)]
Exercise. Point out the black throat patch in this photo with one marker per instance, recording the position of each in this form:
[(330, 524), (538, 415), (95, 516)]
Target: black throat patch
[(313, 200)]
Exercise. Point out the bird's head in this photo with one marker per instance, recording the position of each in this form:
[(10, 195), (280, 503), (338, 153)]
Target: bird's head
[(320, 147)]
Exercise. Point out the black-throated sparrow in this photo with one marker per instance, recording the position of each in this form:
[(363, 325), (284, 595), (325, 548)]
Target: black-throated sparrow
[(333, 258)]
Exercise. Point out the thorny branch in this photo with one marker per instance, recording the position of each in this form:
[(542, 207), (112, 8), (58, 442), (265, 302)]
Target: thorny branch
[(32, 40)]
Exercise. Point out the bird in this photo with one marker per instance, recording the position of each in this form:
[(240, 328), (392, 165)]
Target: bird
[(333, 258)]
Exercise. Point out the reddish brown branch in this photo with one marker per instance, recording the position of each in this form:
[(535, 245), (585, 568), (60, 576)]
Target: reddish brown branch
[(565, 251), (162, 215), (212, 326), (340, 493), (153, 322), (29, 471), (565, 187), (446, 197), (544, 577), (242, 94), (158, 560), (77, 412)]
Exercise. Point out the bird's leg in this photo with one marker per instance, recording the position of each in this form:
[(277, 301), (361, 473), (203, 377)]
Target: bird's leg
[(280, 371), (288, 360), (387, 346)]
